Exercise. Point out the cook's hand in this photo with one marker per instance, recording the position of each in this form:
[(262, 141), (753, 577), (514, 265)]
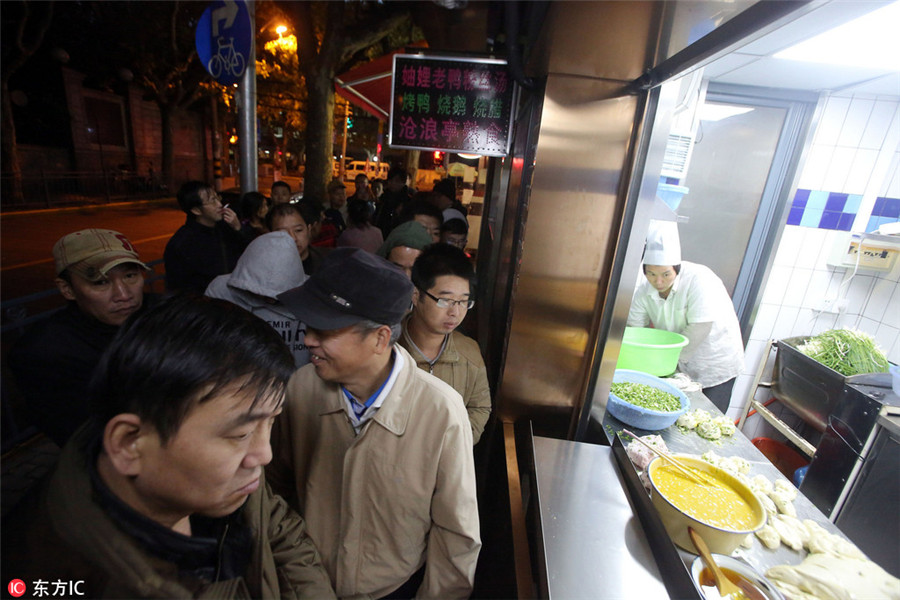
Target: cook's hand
[(230, 217)]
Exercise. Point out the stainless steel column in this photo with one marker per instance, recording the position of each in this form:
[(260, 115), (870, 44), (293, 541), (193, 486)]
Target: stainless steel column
[(247, 113), (570, 211)]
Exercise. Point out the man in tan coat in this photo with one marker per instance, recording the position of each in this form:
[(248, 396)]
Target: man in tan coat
[(374, 452)]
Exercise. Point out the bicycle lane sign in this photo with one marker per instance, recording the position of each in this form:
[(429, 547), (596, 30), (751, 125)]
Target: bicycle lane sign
[(223, 40)]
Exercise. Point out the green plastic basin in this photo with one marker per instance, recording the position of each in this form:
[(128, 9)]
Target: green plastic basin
[(653, 351)]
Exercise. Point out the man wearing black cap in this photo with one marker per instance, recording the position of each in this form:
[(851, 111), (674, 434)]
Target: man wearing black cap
[(374, 452)]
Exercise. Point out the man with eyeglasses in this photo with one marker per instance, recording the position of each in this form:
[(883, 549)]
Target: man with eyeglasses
[(373, 452), (442, 276), (207, 245)]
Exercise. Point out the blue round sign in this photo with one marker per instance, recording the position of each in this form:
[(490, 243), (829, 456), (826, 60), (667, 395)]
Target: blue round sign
[(223, 40)]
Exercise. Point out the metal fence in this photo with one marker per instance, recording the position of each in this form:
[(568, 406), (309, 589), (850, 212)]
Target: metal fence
[(76, 188)]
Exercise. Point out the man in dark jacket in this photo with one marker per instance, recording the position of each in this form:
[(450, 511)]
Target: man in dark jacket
[(396, 195), (207, 245), (101, 275), (162, 493)]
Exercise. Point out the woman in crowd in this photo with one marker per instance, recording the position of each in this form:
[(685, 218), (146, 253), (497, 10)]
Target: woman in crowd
[(360, 232), (254, 208)]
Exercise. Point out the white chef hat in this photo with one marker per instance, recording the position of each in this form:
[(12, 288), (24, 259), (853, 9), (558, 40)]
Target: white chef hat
[(663, 245)]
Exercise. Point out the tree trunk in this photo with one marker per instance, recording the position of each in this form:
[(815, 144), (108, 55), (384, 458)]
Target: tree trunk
[(168, 149), (9, 164), (412, 167), (319, 133)]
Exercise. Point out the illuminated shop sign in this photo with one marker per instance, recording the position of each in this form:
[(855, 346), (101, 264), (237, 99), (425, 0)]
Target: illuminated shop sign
[(451, 104)]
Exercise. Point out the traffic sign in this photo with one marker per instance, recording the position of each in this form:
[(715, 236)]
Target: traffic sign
[(224, 39)]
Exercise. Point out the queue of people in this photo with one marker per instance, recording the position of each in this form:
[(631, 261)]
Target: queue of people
[(297, 417), (168, 410)]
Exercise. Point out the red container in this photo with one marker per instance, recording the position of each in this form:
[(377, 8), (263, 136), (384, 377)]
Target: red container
[(786, 459)]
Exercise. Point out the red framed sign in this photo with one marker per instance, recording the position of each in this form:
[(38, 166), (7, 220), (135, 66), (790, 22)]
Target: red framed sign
[(451, 104)]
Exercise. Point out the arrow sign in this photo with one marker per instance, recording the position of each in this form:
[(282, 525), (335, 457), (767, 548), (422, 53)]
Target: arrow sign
[(224, 40), (227, 12)]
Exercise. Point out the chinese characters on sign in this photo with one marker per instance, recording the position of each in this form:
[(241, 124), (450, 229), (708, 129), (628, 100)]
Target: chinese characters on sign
[(460, 105)]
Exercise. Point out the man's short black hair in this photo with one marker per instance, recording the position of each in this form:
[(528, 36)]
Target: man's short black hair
[(283, 184), (397, 172), (420, 206), (283, 210), (446, 187), (441, 259), (189, 195), (455, 226), (311, 210), (184, 351), (358, 213), (250, 204)]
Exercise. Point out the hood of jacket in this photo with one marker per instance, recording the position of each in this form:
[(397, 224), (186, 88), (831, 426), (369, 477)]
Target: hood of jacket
[(269, 266)]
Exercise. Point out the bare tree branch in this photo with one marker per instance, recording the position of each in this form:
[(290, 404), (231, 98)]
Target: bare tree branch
[(366, 35)]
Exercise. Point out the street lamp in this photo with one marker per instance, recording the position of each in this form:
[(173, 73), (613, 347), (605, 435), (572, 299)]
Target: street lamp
[(285, 43)]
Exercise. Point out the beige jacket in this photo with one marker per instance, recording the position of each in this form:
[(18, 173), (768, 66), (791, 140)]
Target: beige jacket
[(381, 504), (461, 366)]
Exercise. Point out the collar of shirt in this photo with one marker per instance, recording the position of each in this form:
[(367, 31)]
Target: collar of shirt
[(218, 548), (368, 409), (440, 353)]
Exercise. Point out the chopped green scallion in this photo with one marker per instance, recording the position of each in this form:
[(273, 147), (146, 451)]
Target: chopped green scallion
[(646, 396)]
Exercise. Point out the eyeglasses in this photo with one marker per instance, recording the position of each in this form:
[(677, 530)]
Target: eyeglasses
[(213, 199), (447, 303)]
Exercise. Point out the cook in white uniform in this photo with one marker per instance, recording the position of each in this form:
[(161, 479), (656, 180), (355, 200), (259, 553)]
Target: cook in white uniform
[(690, 299)]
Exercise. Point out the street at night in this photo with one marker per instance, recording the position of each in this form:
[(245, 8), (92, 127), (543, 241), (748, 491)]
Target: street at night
[(28, 238)]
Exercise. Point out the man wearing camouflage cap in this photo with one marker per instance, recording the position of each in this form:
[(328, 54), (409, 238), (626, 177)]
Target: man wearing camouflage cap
[(101, 276), (404, 245), (374, 452)]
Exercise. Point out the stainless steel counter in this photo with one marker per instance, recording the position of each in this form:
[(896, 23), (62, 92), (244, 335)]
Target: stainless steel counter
[(689, 442), (594, 546), (891, 423)]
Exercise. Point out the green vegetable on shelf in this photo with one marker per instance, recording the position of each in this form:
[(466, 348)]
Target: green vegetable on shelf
[(847, 351), (646, 396)]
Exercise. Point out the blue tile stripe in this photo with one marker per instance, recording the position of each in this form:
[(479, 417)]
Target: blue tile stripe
[(834, 210)]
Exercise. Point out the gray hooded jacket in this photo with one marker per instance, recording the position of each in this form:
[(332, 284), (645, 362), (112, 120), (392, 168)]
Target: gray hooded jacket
[(269, 266)]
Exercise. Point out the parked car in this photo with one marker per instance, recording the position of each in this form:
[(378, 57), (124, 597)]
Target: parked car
[(372, 169)]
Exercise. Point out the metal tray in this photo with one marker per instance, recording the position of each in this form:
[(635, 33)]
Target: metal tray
[(804, 385)]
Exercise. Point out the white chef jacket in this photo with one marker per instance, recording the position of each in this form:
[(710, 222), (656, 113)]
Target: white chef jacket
[(697, 296)]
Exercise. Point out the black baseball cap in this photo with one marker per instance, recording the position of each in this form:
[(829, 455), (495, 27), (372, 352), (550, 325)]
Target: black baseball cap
[(351, 285)]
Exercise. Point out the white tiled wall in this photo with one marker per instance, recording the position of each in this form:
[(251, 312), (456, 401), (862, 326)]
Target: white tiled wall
[(855, 150)]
